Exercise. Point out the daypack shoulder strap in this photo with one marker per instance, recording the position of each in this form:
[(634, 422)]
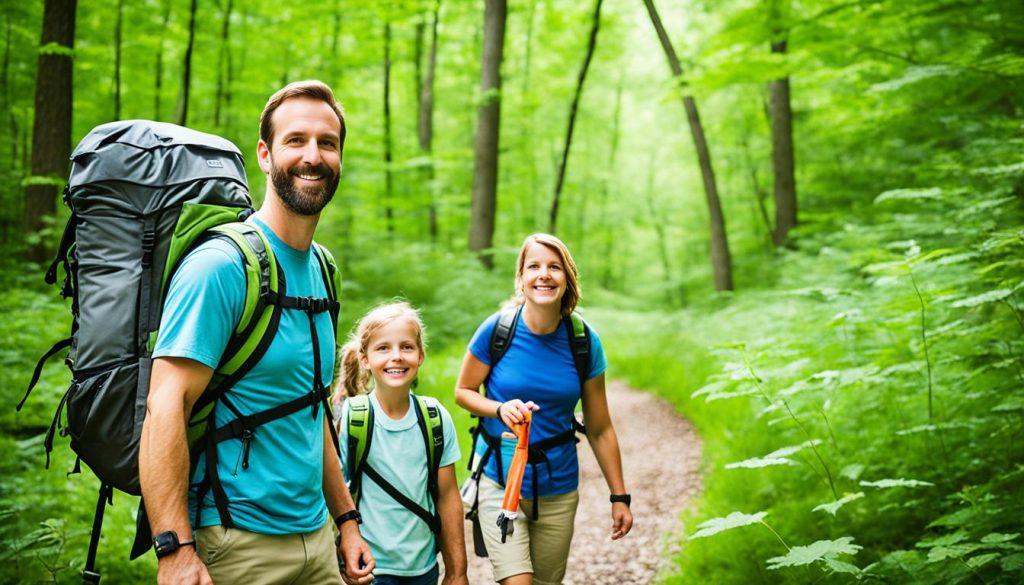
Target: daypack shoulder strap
[(579, 342), (428, 416), (360, 434), (504, 331), (332, 279)]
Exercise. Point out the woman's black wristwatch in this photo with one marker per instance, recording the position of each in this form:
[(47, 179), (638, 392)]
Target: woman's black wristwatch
[(624, 498)]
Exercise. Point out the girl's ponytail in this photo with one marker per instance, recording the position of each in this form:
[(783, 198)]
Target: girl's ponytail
[(353, 377)]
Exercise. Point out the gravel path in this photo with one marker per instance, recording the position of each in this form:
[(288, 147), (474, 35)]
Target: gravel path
[(661, 458)]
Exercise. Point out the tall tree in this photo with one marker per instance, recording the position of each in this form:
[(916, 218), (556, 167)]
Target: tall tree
[(721, 261), (426, 119), (158, 73), (782, 133), (223, 97), (118, 25), (485, 168), (595, 25), (186, 70), (51, 129), (389, 213)]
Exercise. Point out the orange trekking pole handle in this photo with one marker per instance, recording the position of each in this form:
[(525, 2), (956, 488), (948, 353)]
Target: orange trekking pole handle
[(514, 482)]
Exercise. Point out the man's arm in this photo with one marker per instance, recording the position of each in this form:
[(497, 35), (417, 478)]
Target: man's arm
[(453, 539), (354, 550), (175, 385)]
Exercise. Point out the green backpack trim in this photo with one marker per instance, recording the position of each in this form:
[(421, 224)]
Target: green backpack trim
[(360, 438)]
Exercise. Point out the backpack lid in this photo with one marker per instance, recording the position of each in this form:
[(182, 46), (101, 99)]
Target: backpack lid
[(151, 153)]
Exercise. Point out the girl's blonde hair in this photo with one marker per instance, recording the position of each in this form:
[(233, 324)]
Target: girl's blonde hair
[(572, 276), (354, 377)]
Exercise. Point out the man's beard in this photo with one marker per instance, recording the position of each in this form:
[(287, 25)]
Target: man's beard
[(304, 200)]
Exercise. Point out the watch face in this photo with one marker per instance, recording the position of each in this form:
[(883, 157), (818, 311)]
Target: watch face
[(165, 543)]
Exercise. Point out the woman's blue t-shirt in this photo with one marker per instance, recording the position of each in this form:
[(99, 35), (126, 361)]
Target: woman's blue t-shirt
[(538, 368)]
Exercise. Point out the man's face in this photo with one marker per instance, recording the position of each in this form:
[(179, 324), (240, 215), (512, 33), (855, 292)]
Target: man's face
[(304, 159)]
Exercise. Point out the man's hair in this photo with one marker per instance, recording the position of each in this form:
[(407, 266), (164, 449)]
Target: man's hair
[(572, 276), (312, 89)]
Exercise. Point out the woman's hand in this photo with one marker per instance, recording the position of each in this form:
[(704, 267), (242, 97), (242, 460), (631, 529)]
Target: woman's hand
[(622, 520), (514, 411)]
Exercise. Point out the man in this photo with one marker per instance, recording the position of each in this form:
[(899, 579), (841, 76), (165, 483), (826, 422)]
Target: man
[(269, 519)]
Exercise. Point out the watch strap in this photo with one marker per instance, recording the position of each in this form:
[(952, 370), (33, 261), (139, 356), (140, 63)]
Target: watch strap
[(624, 498), (352, 514)]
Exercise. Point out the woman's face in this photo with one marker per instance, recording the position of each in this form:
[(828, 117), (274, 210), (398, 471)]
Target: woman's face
[(543, 276)]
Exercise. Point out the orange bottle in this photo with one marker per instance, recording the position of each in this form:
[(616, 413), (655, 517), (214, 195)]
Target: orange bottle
[(514, 482)]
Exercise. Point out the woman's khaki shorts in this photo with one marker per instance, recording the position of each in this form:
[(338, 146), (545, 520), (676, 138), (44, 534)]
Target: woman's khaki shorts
[(537, 546)]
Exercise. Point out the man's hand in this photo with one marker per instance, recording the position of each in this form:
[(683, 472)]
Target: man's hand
[(454, 580), (355, 554), (182, 567)]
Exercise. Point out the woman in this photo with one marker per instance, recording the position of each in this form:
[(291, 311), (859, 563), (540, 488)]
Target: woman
[(537, 372)]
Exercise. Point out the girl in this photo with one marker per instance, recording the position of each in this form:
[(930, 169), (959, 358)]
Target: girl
[(538, 372), (404, 510)]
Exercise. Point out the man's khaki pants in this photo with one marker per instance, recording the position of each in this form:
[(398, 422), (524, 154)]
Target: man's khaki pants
[(234, 556)]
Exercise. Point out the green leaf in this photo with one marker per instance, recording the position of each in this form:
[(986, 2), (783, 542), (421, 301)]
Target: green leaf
[(987, 297), (56, 49), (932, 194), (818, 551), (757, 462), (841, 567), (891, 483), (1011, 563), (833, 507), (999, 538), (734, 520), (982, 560)]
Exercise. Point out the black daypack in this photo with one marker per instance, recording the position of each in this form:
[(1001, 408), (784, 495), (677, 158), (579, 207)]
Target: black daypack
[(142, 195), (578, 334)]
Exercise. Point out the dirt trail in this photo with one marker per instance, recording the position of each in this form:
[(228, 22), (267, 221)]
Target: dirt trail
[(661, 457)]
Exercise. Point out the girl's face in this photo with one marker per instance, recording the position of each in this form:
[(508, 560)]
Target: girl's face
[(543, 276), (393, 355)]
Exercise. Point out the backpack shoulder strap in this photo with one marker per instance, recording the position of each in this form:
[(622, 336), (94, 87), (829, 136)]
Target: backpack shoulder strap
[(332, 277), (428, 416), (360, 434), (504, 331), (260, 318), (579, 342)]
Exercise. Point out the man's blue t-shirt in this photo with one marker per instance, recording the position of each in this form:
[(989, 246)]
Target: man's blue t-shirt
[(538, 368), (402, 544), (281, 490)]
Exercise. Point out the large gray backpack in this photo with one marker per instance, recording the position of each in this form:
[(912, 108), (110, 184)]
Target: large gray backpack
[(142, 194)]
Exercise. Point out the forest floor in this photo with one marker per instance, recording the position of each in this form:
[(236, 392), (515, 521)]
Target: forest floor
[(661, 460)]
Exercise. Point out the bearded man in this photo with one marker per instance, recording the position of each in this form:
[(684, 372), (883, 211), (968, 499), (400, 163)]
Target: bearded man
[(278, 490)]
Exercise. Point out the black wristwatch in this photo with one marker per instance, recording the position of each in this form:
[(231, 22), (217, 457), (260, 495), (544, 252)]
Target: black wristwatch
[(166, 543), (624, 498), (352, 514)]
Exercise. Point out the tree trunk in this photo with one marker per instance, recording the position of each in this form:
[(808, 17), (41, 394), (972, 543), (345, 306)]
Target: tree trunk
[(485, 172), (223, 67), (613, 150), (186, 75), (426, 124), (595, 26), (118, 24), (51, 130), (389, 213), (158, 77), (721, 262), (782, 155)]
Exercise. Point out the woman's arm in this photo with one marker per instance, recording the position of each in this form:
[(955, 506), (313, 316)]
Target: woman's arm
[(453, 540), (468, 396), (605, 444)]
